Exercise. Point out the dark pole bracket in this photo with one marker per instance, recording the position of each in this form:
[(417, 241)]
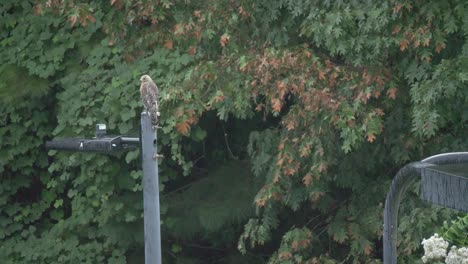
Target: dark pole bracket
[(101, 143), (104, 144)]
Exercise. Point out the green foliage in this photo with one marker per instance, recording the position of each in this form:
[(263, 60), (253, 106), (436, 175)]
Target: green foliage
[(17, 84), (282, 123), (213, 202), (457, 232)]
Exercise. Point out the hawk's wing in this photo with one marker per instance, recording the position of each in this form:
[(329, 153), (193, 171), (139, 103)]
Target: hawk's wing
[(149, 97), (154, 88)]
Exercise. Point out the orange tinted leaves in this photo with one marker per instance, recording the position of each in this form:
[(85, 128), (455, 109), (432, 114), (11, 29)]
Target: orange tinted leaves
[(178, 29), (367, 250), (276, 178), (379, 80), (368, 96), (294, 245), (315, 196), (305, 151), (37, 9), (242, 12), (189, 119), (276, 104), (183, 127), (397, 8), (320, 152), (90, 18), (188, 27), (290, 126), (197, 32), (396, 29), (321, 75), (376, 93), (307, 180), (379, 112), (179, 112), (427, 42), (276, 196), (259, 107), (280, 162), (322, 167), (72, 20), (260, 202), (391, 93), (219, 98), (292, 122), (224, 40), (111, 41), (440, 47), (192, 50), (169, 44), (285, 255), (289, 171), (370, 137), (404, 44), (300, 244), (281, 145)]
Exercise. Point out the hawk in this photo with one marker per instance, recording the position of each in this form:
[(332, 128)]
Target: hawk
[(149, 96)]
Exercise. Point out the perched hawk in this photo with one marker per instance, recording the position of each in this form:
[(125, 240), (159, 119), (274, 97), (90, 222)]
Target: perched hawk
[(149, 95)]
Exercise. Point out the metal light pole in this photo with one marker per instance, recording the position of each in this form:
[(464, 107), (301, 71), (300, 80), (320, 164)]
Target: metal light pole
[(150, 191), (439, 185), (108, 144)]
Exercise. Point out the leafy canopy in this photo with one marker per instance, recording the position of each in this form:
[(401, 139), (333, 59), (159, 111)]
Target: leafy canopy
[(283, 122)]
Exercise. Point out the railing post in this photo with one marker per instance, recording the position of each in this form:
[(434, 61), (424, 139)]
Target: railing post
[(400, 183), (150, 191)]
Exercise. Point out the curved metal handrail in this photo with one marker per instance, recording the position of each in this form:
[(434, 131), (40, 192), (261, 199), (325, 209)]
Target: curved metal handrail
[(405, 176)]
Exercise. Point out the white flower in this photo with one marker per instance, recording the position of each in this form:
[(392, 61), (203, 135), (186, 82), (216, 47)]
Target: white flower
[(463, 253), (453, 257), (435, 248), (457, 256)]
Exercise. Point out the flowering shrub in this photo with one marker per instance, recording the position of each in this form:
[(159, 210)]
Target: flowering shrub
[(435, 250)]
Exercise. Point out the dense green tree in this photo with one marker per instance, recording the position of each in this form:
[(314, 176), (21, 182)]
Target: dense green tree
[(283, 123)]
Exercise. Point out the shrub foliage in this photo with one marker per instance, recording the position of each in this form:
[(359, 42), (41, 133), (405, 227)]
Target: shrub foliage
[(283, 123)]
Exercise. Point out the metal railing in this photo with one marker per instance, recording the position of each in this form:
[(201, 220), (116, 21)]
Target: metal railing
[(436, 180)]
